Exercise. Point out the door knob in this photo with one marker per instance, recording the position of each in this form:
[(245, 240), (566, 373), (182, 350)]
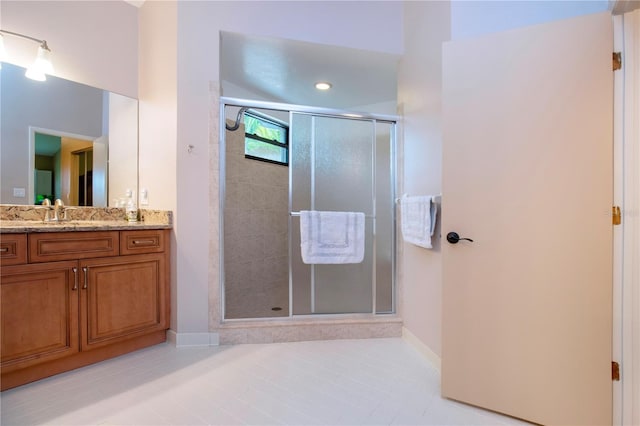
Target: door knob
[(453, 238)]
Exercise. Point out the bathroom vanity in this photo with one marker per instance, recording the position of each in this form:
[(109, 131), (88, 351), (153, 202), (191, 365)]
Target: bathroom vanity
[(78, 292)]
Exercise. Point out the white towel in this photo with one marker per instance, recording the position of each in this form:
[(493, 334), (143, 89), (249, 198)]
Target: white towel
[(418, 219), (331, 237)]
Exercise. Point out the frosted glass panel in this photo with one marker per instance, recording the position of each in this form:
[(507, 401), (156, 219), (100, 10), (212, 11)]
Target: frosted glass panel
[(385, 206), (332, 169), (300, 134), (344, 182), (346, 288), (343, 165), (300, 273)]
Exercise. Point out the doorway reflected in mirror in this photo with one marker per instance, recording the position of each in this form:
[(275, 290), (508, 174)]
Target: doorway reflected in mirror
[(64, 168)]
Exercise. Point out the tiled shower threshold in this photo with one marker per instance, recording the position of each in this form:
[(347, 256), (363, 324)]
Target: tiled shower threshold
[(309, 327)]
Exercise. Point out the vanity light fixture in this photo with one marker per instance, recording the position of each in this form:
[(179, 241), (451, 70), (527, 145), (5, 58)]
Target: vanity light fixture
[(323, 85), (41, 66)]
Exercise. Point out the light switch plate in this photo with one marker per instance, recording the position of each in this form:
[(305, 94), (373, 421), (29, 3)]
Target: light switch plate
[(144, 197), (19, 192)]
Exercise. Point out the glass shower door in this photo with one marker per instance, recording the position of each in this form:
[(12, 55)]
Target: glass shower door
[(333, 167)]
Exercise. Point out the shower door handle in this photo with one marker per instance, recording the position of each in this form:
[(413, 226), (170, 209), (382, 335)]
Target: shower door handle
[(453, 238)]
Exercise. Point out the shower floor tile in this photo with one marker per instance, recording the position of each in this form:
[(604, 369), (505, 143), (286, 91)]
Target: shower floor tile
[(338, 382)]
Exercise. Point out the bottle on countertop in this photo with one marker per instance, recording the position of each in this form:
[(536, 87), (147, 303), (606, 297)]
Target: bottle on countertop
[(132, 211), (131, 208)]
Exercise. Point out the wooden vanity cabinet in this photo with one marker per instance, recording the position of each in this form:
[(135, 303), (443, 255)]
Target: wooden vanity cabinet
[(39, 313), (121, 297), (95, 301)]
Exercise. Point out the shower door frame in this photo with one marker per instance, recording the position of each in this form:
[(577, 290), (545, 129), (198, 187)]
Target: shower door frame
[(393, 120)]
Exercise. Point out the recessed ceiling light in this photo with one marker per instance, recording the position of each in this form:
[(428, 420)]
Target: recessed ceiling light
[(323, 85)]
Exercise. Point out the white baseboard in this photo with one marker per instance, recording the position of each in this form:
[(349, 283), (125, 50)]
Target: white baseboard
[(192, 339), (431, 356)]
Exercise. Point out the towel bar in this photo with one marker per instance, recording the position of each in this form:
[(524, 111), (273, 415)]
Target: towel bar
[(436, 199), (298, 214)]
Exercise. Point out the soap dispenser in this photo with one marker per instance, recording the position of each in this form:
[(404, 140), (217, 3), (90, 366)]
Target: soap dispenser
[(130, 208), (132, 211)]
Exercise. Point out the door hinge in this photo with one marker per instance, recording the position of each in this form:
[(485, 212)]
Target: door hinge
[(616, 215), (617, 60), (615, 371)]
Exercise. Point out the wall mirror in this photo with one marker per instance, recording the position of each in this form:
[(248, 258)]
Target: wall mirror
[(62, 139)]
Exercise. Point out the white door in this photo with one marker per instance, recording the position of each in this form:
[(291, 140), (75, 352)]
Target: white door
[(527, 175)]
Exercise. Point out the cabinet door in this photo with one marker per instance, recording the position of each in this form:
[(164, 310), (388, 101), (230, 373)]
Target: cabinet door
[(39, 309), (122, 298)]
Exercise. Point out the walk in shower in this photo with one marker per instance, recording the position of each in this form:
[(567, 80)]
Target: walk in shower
[(278, 160)]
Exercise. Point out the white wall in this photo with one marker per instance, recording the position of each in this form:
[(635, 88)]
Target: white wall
[(158, 121), (350, 24), (473, 18), (426, 25)]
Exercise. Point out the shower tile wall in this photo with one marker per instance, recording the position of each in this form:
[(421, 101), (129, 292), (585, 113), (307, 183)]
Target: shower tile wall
[(256, 253)]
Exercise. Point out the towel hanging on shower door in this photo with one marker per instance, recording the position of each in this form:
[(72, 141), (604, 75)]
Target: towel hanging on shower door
[(331, 237)]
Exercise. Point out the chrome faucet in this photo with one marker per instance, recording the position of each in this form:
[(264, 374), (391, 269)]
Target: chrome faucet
[(59, 212), (58, 209), (46, 204)]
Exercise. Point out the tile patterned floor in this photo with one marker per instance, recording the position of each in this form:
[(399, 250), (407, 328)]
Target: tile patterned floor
[(340, 382)]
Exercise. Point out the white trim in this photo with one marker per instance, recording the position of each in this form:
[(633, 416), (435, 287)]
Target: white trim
[(181, 340), (618, 200), (630, 366), (424, 350), (356, 115), (618, 7)]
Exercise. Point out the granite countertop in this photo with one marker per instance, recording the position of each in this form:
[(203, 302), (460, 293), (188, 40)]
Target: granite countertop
[(19, 226), (20, 219)]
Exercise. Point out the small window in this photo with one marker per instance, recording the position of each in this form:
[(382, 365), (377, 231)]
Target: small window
[(265, 139)]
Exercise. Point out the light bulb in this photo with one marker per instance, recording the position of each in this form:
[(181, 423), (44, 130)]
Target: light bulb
[(322, 85), (35, 74), (42, 65)]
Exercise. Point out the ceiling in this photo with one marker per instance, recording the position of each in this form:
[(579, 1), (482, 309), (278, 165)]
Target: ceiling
[(280, 70)]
